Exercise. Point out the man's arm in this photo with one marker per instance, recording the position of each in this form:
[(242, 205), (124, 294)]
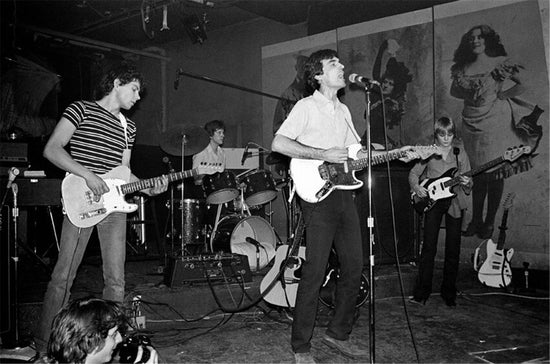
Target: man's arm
[(294, 149), (55, 152)]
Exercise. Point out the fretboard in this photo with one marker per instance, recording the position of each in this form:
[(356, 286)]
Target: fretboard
[(359, 164), (456, 180), (502, 227), (148, 183)]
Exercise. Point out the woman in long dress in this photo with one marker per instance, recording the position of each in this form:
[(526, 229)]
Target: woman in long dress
[(493, 118)]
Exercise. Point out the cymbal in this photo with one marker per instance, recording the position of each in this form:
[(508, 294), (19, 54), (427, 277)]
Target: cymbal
[(196, 139)]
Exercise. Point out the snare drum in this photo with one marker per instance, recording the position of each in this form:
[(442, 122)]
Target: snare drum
[(193, 216), (220, 187), (232, 231), (259, 187)]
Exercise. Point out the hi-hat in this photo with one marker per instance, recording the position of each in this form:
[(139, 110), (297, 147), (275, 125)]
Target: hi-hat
[(196, 139)]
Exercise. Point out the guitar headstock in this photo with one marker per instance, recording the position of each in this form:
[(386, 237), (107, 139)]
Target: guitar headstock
[(509, 201), (514, 153), (425, 151), (209, 168)]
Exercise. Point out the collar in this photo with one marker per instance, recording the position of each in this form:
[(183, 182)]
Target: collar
[(323, 102)]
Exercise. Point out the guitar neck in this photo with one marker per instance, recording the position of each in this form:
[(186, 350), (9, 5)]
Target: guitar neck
[(150, 182), (359, 164), (456, 180), (502, 234)]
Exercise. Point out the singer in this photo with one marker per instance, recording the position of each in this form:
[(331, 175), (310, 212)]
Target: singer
[(213, 152), (320, 127), (101, 127), (453, 156)]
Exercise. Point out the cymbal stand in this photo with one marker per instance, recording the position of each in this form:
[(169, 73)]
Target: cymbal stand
[(182, 218)]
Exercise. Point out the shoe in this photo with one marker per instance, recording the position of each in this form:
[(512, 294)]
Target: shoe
[(418, 301), (485, 232), (346, 347), (451, 302), (303, 358)]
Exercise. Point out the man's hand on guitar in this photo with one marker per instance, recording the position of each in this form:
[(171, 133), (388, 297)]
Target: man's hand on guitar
[(97, 185), (161, 185), (335, 155)]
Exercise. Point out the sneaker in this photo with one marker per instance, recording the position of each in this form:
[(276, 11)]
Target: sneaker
[(347, 347), (303, 358)]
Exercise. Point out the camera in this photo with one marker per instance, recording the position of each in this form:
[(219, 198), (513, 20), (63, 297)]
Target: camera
[(128, 348)]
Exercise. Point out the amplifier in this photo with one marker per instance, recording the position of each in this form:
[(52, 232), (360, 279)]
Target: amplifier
[(36, 191), (12, 152), (208, 267)]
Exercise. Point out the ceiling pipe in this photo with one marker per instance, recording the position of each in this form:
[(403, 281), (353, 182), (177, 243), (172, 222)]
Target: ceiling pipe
[(91, 42)]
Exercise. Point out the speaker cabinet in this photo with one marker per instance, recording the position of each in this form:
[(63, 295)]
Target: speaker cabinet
[(405, 217)]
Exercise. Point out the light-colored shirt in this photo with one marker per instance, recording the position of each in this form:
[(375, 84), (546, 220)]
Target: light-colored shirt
[(208, 155), (318, 122)]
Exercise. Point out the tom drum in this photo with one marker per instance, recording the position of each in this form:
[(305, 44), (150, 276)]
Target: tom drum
[(220, 187)]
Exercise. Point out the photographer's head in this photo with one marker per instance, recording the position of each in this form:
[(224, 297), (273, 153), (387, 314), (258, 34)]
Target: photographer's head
[(86, 331)]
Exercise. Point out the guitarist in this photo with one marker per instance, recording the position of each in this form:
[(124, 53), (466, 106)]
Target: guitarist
[(453, 156), (100, 138), (320, 127)]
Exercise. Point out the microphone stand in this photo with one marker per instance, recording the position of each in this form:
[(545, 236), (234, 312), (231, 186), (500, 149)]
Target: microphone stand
[(17, 343), (370, 225)]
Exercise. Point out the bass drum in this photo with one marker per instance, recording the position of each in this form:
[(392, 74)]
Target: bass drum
[(230, 237), (328, 289)]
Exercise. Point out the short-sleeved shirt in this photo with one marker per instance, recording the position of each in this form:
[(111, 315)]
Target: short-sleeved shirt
[(99, 139), (318, 122), (208, 155)]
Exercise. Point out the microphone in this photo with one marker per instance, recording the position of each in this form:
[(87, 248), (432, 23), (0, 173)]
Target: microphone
[(253, 241), (12, 173), (177, 81), (456, 151), (246, 154), (355, 78)]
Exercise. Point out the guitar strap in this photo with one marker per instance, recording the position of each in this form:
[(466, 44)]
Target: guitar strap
[(126, 153)]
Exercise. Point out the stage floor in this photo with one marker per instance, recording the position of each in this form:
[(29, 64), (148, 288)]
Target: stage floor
[(187, 325)]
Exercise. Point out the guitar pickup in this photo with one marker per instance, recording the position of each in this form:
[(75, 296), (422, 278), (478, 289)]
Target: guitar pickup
[(323, 172), (87, 215)]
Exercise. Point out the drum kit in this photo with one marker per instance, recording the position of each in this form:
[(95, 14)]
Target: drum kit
[(222, 221)]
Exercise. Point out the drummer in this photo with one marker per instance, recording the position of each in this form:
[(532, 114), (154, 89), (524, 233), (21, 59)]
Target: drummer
[(213, 153)]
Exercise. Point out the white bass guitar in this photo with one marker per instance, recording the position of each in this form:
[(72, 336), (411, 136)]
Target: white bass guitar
[(83, 211)]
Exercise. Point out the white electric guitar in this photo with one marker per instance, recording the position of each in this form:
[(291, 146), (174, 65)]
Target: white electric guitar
[(83, 211), (315, 179), (495, 271)]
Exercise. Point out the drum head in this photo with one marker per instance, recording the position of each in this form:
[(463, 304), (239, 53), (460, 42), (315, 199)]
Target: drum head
[(231, 234)]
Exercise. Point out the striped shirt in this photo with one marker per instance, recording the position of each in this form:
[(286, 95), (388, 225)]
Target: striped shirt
[(99, 141)]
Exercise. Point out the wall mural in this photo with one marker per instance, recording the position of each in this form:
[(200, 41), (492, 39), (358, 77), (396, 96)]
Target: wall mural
[(478, 66), (492, 77)]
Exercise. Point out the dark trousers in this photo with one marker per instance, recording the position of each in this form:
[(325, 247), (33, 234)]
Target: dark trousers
[(333, 220), (432, 223)]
